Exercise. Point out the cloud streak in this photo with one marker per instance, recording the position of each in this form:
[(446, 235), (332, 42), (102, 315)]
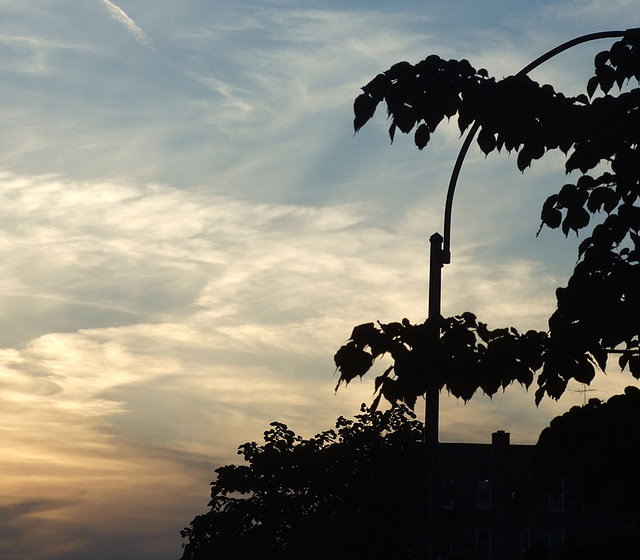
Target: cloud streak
[(121, 17), (186, 240)]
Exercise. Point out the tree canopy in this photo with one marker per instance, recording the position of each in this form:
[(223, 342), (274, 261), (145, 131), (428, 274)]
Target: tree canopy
[(344, 493), (596, 446), (597, 312), (351, 492)]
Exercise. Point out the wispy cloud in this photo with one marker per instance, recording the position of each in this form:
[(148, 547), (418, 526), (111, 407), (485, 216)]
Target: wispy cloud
[(153, 323), (120, 16), (224, 297)]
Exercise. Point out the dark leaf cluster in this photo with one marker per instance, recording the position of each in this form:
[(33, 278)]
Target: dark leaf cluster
[(515, 113), (598, 312), (345, 493), (458, 353), (417, 96), (596, 448)]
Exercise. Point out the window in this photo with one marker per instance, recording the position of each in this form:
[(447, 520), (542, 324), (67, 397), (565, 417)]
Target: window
[(483, 543), (483, 494), (556, 503), (556, 538), (525, 540)]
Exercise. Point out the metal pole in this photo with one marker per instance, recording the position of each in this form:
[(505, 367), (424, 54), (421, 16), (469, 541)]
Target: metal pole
[(432, 405)]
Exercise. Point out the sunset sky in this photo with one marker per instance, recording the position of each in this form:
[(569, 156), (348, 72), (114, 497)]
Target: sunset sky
[(189, 230)]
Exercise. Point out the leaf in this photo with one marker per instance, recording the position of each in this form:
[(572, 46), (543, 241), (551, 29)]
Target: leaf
[(465, 118), (584, 246), (607, 77), (586, 182), (524, 159), (634, 366), (630, 215), (602, 197), (404, 118), (410, 401), (570, 196), (422, 136), (400, 71), (362, 335), (377, 88), (392, 131), (486, 141), (376, 402), (584, 372), (601, 59), (616, 229), (380, 379), (390, 390), (555, 386), (550, 215), (352, 362), (490, 384), (469, 319), (576, 218), (364, 108), (592, 85), (582, 99)]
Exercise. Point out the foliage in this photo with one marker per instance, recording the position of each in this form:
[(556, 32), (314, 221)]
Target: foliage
[(344, 493), (472, 356), (596, 447), (597, 312)]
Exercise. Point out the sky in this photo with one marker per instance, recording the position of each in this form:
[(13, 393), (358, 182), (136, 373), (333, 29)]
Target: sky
[(189, 230)]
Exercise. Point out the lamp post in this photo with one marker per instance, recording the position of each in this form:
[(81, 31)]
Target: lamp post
[(440, 254)]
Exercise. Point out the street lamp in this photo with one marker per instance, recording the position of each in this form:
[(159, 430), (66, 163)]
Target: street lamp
[(440, 254)]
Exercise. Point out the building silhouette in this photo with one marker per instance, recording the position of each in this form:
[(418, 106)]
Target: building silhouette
[(478, 494)]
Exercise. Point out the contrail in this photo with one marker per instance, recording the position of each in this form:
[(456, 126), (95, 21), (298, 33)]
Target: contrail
[(119, 15)]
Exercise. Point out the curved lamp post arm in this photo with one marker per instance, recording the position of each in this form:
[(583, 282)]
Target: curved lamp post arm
[(446, 250), (440, 252)]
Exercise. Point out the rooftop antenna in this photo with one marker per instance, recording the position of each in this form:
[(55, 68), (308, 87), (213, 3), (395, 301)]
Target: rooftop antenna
[(584, 392)]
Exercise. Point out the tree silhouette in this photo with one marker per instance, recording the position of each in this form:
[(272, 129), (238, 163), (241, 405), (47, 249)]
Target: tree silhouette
[(344, 493), (598, 311), (351, 492), (595, 446)]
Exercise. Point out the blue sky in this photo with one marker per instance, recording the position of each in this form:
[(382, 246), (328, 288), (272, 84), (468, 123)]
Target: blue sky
[(189, 230)]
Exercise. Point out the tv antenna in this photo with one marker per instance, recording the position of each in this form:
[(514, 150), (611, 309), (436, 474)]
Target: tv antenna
[(584, 390)]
